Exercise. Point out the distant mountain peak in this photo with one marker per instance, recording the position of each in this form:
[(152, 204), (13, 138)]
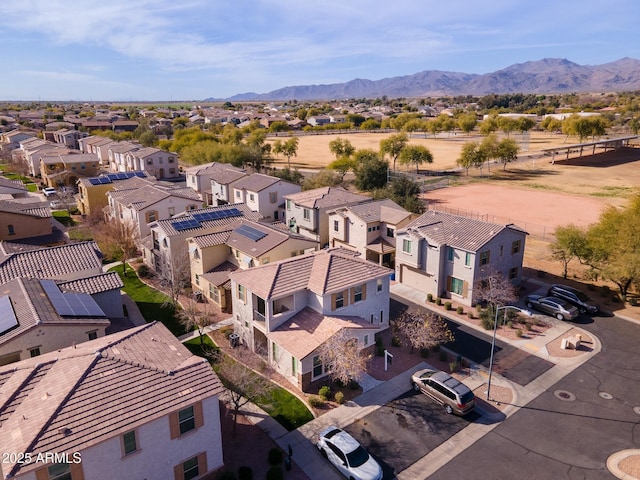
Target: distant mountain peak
[(548, 75)]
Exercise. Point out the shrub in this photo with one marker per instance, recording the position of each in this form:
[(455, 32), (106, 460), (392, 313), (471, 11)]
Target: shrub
[(615, 299), (395, 341), (487, 322), (633, 301), (429, 297), (519, 333), (453, 366), (353, 385), (316, 401), (527, 327), (443, 356), (460, 310), (471, 315), (424, 352), (245, 473), (510, 324), (380, 350), (275, 456), (447, 305), (143, 271), (275, 473), (226, 330), (438, 301), (324, 392), (339, 398)]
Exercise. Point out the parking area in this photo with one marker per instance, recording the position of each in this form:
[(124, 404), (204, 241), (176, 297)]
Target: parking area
[(405, 430)]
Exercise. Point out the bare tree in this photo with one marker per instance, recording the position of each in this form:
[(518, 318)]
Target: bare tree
[(495, 289), (343, 357), (243, 384), (424, 329), (118, 239), (175, 275), (197, 316)]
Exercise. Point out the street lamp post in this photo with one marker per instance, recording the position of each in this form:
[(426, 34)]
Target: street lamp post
[(493, 342)]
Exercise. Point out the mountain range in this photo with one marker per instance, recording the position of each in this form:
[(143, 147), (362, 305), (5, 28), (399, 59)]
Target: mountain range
[(546, 76)]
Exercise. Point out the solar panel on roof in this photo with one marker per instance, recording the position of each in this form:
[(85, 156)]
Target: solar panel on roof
[(71, 304), (112, 176), (94, 181), (56, 298), (139, 174), (250, 232), (104, 180), (8, 318), (186, 224)]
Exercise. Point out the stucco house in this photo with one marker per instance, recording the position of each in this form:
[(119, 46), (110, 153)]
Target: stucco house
[(264, 194), (96, 145), (447, 255), (65, 169), (159, 163), (369, 228), (306, 212), (247, 244), (92, 191), (202, 177), (135, 404), (23, 220), (285, 311)]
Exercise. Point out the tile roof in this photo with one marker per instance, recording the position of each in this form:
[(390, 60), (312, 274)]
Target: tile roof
[(147, 195), (56, 237), (219, 276), (321, 272), (16, 184), (303, 333), (460, 232), (214, 168), (51, 262), (32, 307), (385, 210), (103, 282), (326, 197), (227, 176), (256, 182), (77, 397), (222, 223), (25, 209)]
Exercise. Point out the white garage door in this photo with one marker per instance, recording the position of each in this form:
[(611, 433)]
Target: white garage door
[(414, 279)]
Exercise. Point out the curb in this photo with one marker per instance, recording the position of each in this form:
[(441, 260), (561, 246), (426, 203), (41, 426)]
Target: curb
[(614, 460)]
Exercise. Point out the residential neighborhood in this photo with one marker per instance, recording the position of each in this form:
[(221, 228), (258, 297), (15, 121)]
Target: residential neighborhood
[(169, 275)]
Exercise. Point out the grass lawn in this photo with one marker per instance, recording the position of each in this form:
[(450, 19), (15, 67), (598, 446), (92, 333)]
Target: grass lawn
[(194, 345), (64, 218), (153, 304), (286, 408)]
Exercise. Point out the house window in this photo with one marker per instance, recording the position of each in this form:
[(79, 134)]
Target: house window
[(190, 468), (379, 285), (172, 170), (318, 367), (251, 197), (513, 273), (186, 420), (92, 335), (406, 246), (59, 471), (237, 193), (82, 166), (381, 316), (241, 293), (306, 214), (456, 285), (390, 232), (336, 225), (214, 294), (129, 443), (357, 293), (366, 340), (294, 366), (288, 205), (450, 253), (149, 162), (274, 351), (196, 254), (370, 229), (484, 257), (515, 247), (501, 249), (197, 279), (467, 259), (152, 216), (12, 230), (34, 352), (273, 197), (265, 261), (339, 299), (171, 159), (193, 179)]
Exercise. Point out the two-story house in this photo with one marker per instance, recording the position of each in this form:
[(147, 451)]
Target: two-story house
[(92, 191), (150, 203), (285, 311), (66, 169), (306, 212), (447, 255), (369, 228), (165, 249), (160, 164), (202, 177), (264, 194), (96, 145), (134, 404), (20, 220), (214, 256)]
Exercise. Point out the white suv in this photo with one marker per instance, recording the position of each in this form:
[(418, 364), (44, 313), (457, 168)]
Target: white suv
[(48, 191)]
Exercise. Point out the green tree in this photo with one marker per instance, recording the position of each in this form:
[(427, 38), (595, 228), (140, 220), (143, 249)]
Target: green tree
[(467, 122), (341, 148), (634, 125), (416, 125), (489, 125), (393, 146), (507, 124), (570, 242), (525, 124), (371, 170), (279, 126), (415, 155), (355, 119), (148, 139), (471, 155), (370, 124), (551, 124), (288, 148), (323, 178), (342, 165), (507, 151), (489, 147)]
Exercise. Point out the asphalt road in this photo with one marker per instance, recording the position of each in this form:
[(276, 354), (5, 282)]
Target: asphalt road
[(570, 430)]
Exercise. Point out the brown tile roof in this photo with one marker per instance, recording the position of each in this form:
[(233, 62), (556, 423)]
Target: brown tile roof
[(219, 276), (326, 197), (147, 195), (227, 176), (24, 209), (213, 168), (385, 210), (303, 333), (321, 272), (16, 184), (51, 262), (72, 399), (103, 282), (460, 232)]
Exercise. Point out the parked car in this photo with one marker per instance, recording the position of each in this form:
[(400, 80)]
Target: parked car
[(443, 388), (574, 297), (554, 306), (347, 455), (48, 191)]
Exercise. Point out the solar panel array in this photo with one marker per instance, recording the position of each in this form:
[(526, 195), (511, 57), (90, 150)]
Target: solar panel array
[(120, 175), (71, 304), (250, 232), (216, 214), (99, 180), (8, 318), (186, 224)]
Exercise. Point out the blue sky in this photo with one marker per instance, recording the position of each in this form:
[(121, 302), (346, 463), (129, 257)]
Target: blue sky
[(161, 50)]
